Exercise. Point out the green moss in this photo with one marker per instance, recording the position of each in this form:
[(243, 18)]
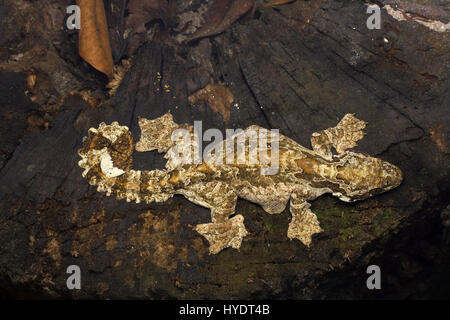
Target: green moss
[(346, 234), (386, 219), (354, 224)]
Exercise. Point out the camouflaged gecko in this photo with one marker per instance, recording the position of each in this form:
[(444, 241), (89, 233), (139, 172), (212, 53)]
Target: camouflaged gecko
[(303, 175)]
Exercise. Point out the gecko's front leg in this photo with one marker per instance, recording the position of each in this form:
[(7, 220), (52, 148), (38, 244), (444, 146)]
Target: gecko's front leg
[(222, 232), (342, 137), (304, 222)]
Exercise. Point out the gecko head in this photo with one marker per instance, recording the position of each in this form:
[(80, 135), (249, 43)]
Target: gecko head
[(365, 176), (106, 151)]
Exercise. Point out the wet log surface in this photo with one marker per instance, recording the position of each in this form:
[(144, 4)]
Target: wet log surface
[(298, 67)]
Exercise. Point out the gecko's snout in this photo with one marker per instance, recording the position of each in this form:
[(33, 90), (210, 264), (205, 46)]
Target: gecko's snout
[(392, 176), (366, 176)]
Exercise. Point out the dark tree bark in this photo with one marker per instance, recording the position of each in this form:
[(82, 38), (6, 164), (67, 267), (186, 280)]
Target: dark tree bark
[(298, 67)]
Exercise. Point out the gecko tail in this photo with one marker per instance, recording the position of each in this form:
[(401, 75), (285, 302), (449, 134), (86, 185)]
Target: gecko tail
[(106, 157)]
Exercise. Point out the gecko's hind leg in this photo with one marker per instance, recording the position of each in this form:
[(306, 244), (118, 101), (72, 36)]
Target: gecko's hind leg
[(221, 235), (304, 222), (222, 232), (342, 137)]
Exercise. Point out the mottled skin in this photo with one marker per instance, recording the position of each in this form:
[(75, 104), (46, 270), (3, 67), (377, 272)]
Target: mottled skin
[(302, 174)]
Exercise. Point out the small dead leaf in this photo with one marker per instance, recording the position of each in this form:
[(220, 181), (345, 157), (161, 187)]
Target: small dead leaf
[(277, 3), (221, 15), (142, 12), (218, 97), (93, 44)]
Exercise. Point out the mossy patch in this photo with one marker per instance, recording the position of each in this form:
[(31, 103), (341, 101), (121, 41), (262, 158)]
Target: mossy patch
[(351, 226)]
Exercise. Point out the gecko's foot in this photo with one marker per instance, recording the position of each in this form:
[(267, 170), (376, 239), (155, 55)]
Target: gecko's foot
[(223, 234), (349, 131), (342, 137), (303, 226)]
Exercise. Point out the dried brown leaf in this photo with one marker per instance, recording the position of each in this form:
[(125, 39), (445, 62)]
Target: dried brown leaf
[(217, 96), (93, 44), (221, 15), (142, 12), (277, 3)]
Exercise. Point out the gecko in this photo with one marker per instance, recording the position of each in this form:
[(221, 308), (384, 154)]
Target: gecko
[(303, 175)]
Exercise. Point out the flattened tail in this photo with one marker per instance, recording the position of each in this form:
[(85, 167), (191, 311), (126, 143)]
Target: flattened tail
[(106, 157), (133, 185)]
